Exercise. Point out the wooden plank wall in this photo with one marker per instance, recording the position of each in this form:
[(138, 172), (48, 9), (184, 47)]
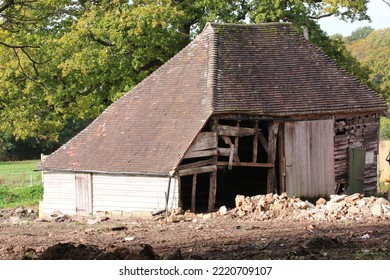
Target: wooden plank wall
[(309, 158), (357, 131), (132, 193), (59, 192)]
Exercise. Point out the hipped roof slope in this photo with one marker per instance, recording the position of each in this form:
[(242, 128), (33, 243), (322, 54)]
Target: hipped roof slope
[(265, 69)]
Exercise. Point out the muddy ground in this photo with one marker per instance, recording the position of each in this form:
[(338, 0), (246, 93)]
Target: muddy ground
[(24, 236)]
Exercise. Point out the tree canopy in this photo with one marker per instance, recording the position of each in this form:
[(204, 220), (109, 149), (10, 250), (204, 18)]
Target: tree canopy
[(373, 51), (62, 62)]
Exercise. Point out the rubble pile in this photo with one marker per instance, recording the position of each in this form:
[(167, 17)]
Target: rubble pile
[(340, 207)]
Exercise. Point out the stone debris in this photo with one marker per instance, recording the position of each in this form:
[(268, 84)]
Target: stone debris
[(338, 207)]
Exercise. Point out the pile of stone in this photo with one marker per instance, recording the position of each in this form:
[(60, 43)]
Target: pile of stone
[(341, 207)]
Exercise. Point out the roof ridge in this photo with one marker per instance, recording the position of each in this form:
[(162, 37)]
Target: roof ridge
[(212, 77)]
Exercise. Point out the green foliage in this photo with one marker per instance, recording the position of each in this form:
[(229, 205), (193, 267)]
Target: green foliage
[(20, 196), (359, 34), (385, 129), (63, 62)]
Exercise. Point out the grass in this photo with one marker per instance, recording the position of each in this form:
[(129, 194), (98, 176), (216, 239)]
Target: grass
[(19, 173), (19, 184), (20, 196)]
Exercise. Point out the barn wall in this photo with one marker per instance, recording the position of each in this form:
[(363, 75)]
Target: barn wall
[(309, 158), (357, 131), (132, 193), (59, 192)]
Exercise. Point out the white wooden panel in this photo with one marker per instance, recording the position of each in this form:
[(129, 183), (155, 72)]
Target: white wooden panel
[(132, 193), (59, 193), (309, 147), (83, 193)]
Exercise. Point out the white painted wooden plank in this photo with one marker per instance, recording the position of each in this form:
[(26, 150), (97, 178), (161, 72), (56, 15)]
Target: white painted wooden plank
[(59, 193), (132, 193)]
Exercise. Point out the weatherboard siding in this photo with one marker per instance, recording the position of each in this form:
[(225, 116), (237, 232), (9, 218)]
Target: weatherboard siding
[(59, 193), (132, 193)]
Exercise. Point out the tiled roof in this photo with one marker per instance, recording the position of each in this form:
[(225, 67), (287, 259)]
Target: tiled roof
[(270, 69), (266, 69)]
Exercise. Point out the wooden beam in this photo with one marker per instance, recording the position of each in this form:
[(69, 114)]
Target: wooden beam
[(282, 162), (180, 203), (255, 142), (213, 175), (272, 140), (193, 194), (236, 142), (228, 130), (246, 164), (204, 141), (197, 154), (197, 170), (212, 190), (196, 164), (263, 141), (224, 152)]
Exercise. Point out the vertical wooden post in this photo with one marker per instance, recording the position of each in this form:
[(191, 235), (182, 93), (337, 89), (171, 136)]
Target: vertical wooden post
[(272, 140), (236, 142), (282, 159), (180, 203), (193, 195), (213, 175), (255, 142)]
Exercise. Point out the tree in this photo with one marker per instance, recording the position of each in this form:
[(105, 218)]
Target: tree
[(63, 62), (360, 33), (373, 51)]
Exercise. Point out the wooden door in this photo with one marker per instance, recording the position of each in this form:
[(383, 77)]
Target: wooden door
[(83, 193), (356, 165), (309, 158)]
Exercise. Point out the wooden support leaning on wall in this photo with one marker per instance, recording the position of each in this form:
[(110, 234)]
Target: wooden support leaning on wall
[(272, 141)]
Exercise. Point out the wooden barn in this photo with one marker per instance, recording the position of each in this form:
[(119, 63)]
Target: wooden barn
[(243, 109)]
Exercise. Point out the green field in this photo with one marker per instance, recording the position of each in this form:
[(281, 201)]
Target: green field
[(19, 173), (20, 185)]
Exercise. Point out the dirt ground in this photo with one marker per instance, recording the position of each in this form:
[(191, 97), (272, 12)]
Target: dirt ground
[(24, 236)]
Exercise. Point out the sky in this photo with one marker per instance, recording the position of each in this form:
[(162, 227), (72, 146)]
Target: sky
[(377, 10)]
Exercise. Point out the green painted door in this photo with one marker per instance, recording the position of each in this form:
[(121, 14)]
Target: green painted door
[(356, 163)]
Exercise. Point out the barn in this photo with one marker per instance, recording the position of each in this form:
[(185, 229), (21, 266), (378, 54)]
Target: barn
[(243, 109)]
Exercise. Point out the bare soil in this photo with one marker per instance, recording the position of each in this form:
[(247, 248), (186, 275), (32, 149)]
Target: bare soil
[(24, 236)]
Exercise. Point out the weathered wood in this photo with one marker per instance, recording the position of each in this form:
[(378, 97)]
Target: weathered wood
[(83, 193), (179, 191), (282, 161), (204, 141), (255, 142), (197, 170), (227, 130), (193, 194), (196, 164), (231, 155), (263, 141), (227, 140), (212, 190), (224, 152), (309, 157), (236, 143), (245, 164), (272, 140), (213, 175), (197, 154)]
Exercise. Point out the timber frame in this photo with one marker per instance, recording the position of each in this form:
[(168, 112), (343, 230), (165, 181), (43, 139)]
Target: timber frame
[(218, 146)]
